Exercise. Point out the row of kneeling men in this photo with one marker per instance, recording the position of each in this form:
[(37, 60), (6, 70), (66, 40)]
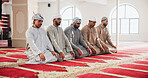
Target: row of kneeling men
[(58, 45)]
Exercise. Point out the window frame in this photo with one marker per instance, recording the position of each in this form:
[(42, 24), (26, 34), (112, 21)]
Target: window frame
[(114, 10)]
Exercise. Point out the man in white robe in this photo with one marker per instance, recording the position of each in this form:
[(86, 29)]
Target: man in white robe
[(39, 48), (59, 40)]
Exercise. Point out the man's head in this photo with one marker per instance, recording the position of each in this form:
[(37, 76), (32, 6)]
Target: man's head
[(76, 22), (104, 21), (92, 22), (57, 20), (37, 20)]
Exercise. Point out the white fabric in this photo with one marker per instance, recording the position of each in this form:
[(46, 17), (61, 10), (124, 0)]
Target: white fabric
[(38, 42), (76, 20), (92, 19), (57, 16), (37, 17)]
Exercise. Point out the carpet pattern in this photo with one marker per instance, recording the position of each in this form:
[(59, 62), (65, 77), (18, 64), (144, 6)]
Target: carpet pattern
[(129, 62)]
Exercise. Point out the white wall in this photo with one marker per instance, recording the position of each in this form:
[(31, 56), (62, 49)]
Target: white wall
[(99, 10), (47, 12)]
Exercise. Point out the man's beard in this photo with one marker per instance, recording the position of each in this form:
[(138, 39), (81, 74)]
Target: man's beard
[(58, 23), (76, 26), (105, 25), (38, 26)]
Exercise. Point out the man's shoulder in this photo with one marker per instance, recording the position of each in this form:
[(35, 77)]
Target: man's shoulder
[(30, 29), (85, 27), (98, 26), (68, 28), (42, 29), (50, 27)]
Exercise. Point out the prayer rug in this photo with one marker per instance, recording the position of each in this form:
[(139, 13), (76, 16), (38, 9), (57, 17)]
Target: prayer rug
[(104, 58), (141, 62), (127, 53), (89, 60), (44, 67), (3, 59), (93, 75), (126, 72), (115, 55), (134, 66), (11, 50), (17, 73), (2, 53), (69, 63), (18, 56)]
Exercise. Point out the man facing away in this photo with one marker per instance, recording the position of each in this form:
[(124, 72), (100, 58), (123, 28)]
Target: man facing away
[(103, 34), (59, 40), (39, 48), (90, 36), (75, 37)]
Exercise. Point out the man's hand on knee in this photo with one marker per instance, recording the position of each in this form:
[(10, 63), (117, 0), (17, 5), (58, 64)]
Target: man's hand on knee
[(42, 57)]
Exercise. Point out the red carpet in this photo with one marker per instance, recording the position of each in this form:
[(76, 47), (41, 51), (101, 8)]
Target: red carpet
[(127, 53), (93, 75), (104, 58), (3, 59), (44, 67), (126, 72), (18, 56), (89, 60), (133, 66), (69, 63), (17, 73), (11, 50), (141, 62), (22, 49), (2, 53), (116, 55)]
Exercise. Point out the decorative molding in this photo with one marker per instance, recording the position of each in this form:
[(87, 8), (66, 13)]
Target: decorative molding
[(20, 21)]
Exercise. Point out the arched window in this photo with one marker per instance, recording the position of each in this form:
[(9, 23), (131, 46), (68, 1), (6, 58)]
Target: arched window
[(128, 20), (67, 15)]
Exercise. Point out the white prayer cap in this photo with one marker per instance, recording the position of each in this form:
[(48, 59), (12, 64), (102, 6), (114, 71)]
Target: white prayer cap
[(57, 16), (37, 17), (92, 19), (104, 18), (76, 20)]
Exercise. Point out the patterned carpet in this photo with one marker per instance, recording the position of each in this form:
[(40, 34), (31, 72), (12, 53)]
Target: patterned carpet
[(131, 61)]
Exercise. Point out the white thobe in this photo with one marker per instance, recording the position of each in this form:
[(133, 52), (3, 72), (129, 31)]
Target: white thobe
[(38, 42), (59, 41)]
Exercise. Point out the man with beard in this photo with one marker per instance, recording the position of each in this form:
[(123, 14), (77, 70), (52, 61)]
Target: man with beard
[(90, 36), (59, 40), (39, 48), (103, 34), (75, 38)]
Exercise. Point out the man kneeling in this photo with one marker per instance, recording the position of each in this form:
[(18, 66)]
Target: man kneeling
[(76, 39), (39, 48)]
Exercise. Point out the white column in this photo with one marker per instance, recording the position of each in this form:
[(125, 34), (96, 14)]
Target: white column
[(117, 20), (58, 6), (75, 10)]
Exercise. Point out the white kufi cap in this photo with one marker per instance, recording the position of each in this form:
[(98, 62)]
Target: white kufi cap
[(57, 16), (92, 19), (37, 17), (76, 20)]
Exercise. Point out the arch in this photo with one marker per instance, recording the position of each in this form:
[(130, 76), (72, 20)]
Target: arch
[(68, 14), (128, 20)]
